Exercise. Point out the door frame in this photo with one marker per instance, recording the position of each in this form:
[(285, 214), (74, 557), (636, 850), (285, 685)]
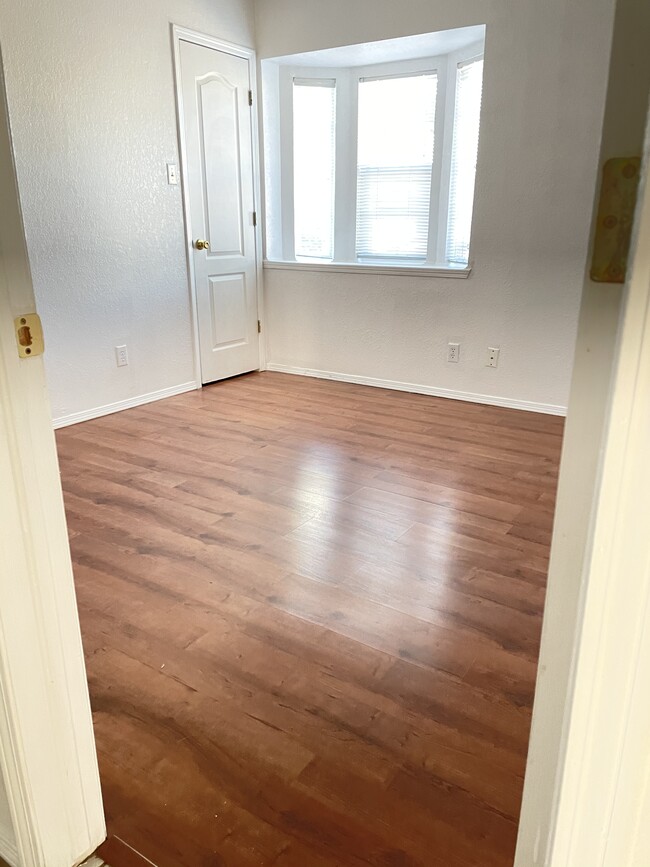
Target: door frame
[(183, 34), (48, 760), (594, 813)]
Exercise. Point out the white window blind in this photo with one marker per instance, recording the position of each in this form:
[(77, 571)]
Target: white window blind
[(314, 129), (394, 160), (469, 85)]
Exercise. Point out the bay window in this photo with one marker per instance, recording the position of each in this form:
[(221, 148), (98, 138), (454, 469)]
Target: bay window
[(372, 165)]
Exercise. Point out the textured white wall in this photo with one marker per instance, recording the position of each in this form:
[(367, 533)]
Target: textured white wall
[(544, 92), (91, 100)]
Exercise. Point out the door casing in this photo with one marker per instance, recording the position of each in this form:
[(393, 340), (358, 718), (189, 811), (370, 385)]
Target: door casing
[(179, 34), (48, 759)]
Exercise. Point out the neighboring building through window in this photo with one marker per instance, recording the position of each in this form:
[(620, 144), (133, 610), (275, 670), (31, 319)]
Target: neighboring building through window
[(374, 164)]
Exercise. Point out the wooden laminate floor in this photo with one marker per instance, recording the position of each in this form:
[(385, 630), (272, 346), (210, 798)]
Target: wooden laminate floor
[(311, 614)]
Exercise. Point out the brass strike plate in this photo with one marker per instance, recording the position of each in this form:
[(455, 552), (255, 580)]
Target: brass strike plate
[(615, 219), (29, 335)]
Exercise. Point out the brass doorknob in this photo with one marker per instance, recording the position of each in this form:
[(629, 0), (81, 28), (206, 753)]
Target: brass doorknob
[(202, 245)]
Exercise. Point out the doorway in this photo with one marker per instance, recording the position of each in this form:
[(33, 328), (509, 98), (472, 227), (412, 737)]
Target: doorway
[(282, 758)]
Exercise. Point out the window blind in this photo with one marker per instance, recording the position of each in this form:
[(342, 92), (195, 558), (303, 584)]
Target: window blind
[(395, 153), (469, 85), (314, 151)]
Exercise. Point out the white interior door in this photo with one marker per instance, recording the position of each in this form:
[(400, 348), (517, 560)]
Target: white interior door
[(219, 172)]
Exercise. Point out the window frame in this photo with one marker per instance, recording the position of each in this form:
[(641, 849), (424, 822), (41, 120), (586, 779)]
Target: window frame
[(438, 67), (345, 184)]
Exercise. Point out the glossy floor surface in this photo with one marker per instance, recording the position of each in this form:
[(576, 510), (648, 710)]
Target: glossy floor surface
[(311, 614)]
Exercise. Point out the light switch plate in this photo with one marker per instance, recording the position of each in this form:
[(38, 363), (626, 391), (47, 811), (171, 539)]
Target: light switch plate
[(172, 173)]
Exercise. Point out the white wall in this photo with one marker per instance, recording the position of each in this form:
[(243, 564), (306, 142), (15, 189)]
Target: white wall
[(91, 100), (544, 90)]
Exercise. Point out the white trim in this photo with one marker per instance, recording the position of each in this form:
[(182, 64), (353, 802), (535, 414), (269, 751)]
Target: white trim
[(48, 759), (183, 34), (139, 854), (8, 850), (119, 405), (591, 810), (182, 161), (470, 396), (257, 195), (602, 792), (362, 268)]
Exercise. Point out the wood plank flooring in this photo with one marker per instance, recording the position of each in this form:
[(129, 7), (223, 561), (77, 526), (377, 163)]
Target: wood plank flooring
[(311, 614)]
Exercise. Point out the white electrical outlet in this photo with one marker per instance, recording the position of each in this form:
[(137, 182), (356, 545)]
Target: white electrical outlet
[(493, 356), (122, 356), (453, 352)]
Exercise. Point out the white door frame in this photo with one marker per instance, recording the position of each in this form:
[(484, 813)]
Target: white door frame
[(47, 750), (599, 812), (184, 34)]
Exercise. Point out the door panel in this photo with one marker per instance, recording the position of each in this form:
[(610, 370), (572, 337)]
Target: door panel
[(217, 128), (221, 160), (228, 295)]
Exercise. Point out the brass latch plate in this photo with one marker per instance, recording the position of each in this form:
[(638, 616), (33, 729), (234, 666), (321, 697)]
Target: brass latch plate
[(613, 236), (29, 335)]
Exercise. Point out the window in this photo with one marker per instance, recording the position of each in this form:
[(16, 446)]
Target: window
[(469, 84), (314, 105), (396, 123), (374, 165)]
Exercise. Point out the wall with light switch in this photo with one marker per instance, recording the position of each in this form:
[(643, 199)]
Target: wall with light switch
[(544, 92), (91, 101)]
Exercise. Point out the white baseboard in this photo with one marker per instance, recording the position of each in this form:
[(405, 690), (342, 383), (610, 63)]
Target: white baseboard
[(8, 849), (107, 409), (472, 397)]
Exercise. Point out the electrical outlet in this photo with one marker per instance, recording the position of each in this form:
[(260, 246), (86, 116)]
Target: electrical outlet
[(453, 352), (122, 356), (493, 356)]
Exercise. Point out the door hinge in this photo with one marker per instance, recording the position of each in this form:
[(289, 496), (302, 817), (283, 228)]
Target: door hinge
[(29, 335), (259, 327), (250, 97), (255, 218)]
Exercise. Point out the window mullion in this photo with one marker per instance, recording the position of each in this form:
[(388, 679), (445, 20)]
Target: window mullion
[(446, 154), (437, 173), (346, 167)]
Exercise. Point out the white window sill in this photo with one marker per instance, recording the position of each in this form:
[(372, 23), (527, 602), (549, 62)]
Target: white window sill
[(358, 268)]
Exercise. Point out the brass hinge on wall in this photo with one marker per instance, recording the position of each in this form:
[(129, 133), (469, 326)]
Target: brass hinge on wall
[(259, 327), (29, 335), (255, 218), (250, 97)]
